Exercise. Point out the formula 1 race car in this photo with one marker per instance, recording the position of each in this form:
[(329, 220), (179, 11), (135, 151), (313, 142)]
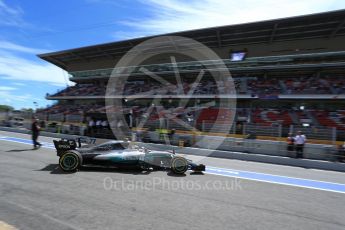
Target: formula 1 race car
[(72, 155)]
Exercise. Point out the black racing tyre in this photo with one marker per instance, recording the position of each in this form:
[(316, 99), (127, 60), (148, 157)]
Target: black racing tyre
[(179, 165), (70, 161)]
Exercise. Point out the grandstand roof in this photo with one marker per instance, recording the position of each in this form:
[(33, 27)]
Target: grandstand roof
[(321, 25)]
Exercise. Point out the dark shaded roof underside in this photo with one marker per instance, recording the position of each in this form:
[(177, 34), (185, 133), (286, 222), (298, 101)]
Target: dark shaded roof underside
[(321, 25)]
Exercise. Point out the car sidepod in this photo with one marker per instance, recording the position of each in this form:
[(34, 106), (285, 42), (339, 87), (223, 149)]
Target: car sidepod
[(157, 160), (120, 158)]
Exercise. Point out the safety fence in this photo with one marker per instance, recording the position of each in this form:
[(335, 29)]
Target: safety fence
[(250, 131)]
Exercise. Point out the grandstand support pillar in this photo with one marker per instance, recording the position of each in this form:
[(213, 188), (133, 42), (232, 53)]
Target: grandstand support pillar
[(334, 135), (131, 119), (203, 126), (280, 130), (160, 120), (244, 128), (137, 121), (291, 129)]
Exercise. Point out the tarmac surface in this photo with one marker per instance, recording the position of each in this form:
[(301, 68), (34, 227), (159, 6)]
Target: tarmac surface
[(35, 194)]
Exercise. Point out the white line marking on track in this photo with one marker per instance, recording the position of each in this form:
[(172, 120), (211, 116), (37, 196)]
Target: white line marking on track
[(273, 182), (258, 173)]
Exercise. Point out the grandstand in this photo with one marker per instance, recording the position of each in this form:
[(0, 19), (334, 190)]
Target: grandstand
[(290, 75)]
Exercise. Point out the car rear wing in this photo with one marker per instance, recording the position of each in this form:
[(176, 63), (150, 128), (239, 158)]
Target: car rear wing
[(65, 144)]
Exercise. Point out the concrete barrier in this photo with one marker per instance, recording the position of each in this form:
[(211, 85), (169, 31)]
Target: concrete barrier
[(43, 133), (265, 147), (280, 160)]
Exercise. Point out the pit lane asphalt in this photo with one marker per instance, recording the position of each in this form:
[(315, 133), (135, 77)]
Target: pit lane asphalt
[(35, 194)]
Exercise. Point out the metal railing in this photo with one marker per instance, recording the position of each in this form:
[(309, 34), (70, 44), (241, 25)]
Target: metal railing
[(274, 131), (253, 130)]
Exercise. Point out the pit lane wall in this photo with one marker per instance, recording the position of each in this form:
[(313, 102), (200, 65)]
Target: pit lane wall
[(316, 156), (252, 146)]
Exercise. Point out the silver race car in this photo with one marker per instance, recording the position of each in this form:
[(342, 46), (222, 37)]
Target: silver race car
[(72, 155)]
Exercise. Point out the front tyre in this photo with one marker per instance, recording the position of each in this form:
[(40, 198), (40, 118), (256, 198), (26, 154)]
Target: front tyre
[(179, 165), (70, 161)]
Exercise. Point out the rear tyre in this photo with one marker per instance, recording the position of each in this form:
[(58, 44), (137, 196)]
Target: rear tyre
[(70, 161), (179, 165)]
